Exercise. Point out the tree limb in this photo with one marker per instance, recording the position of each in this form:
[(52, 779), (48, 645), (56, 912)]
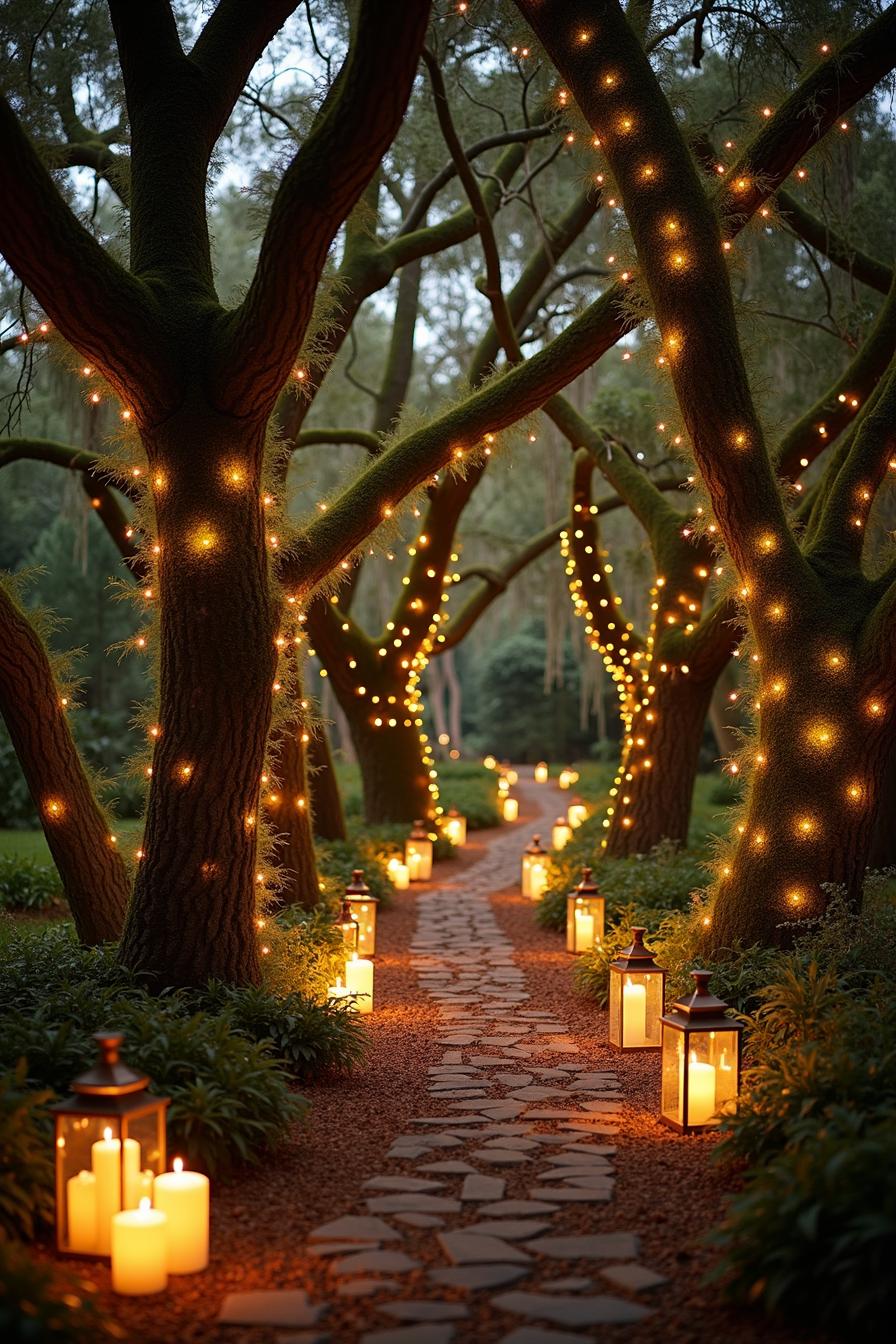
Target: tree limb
[(867, 269)]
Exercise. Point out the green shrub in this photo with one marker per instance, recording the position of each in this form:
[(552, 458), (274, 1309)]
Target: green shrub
[(224, 1056), (307, 952), (26, 1158), (28, 885), (813, 1236), (473, 790), (40, 1305)]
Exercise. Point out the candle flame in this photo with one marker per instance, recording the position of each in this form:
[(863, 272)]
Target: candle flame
[(144, 1204), (107, 1134), (178, 1164), (693, 1056)]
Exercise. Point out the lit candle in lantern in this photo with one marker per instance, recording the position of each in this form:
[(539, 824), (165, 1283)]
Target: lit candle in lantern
[(511, 809), (634, 1014), (701, 1091), (541, 773), (538, 881), (561, 833), (82, 1221), (413, 866), (576, 813), (512, 777), (584, 931), (139, 1246), (401, 877), (183, 1197), (359, 981), (105, 1160)]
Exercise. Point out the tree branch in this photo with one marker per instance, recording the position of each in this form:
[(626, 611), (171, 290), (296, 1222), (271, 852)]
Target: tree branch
[(867, 269), (363, 109)]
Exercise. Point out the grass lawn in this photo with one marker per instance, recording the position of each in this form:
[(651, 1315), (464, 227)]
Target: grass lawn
[(32, 845)]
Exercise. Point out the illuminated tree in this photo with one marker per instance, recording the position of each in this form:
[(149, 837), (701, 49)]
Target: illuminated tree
[(820, 625)]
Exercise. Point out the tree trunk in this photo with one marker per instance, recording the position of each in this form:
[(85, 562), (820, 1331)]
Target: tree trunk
[(288, 808), (94, 877), (327, 816), (394, 775), (810, 813), (882, 852), (659, 766), (193, 912)]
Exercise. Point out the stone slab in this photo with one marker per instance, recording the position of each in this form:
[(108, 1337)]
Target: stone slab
[(366, 1287), (288, 1307), (482, 1187), (511, 1229), (375, 1262), (599, 1310), (468, 1248), (413, 1204), (593, 1246), (404, 1184), (635, 1278), (425, 1310), (476, 1277), (354, 1227)]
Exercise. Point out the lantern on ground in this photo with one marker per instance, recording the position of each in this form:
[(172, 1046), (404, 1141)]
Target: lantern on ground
[(701, 1056), (637, 988), (418, 853), (511, 775), (561, 833), (585, 908), (511, 809), (347, 925), (567, 777), (454, 827), (533, 857), (541, 772), (503, 786), (110, 1145), (359, 983), (576, 813), (363, 910)]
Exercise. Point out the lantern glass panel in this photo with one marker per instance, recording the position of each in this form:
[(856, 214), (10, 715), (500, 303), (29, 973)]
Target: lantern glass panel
[(584, 922), (418, 857), (561, 832), (699, 1075), (364, 915), (636, 1006)]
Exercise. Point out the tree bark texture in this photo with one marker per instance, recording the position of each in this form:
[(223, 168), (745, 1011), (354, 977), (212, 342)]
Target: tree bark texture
[(288, 807), (327, 816), (94, 877), (193, 912)]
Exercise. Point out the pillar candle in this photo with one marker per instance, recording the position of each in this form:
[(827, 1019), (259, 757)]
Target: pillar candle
[(81, 1209), (541, 773), (413, 866), (701, 1092), (338, 991), (105, 1159), (183, 1197), (359, 980), (401, 877), (139, 1245), (584, 931), (634, 1014), (511, 809)]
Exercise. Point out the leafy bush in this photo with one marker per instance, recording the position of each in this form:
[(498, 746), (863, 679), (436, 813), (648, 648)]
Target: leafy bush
[(28, 885), (26, 1158), (473, 790), (813, 1236), (307, 952), (817, 1124), (224, 1056), (39, 1305)]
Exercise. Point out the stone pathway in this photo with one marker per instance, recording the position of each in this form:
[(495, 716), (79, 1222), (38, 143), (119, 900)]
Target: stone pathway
[(519, 1129)]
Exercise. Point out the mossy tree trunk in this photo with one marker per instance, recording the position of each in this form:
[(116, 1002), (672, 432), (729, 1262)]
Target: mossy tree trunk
[(327, 815)]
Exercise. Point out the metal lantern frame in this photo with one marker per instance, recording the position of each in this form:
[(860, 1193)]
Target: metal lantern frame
[(363, 907), (349, 928), (454, 820), (562, 823), (698, 1023), (636, 966), (419, 842), (532, 854), (109, 1097), (586, 899)]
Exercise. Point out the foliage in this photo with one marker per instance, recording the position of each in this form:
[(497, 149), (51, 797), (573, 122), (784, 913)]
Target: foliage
[(38, 1305), (224, 1056), (473, 790), (27, 885), (26, 1158)]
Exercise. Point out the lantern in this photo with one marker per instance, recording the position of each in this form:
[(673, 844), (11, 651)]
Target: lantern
[(584, 916), (363, 911), (576, 813), (359, 983), (503, 785), (561, 832), (541, 772), (637, 987), (347, 925), (533, 857), (511, 810), (418, 854), (110, 1146), (455, 827), (510, 775), (700, 1061), (567, 777)]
